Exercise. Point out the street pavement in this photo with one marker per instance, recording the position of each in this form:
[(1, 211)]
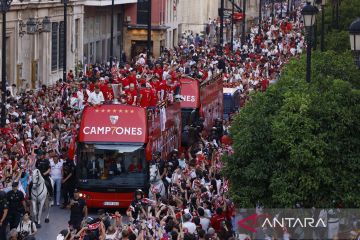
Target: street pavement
[(59, 220)]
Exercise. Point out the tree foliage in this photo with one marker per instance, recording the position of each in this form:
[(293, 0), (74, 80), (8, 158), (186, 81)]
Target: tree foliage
[(299, 142), (337, 38)]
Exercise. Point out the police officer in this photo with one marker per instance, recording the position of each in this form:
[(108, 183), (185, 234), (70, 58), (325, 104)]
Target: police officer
[(136, 206), (43, 164), (3, 214), (200, 123), (174, 159), (78, 210), (68, 181), (16, 205), (214, 134), (219, 128), (157, 160)]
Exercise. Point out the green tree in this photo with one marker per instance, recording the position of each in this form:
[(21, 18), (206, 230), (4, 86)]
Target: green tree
[(338, 39), (299, 142)]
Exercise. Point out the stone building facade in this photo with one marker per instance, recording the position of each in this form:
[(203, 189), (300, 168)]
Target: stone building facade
[(36, 59)]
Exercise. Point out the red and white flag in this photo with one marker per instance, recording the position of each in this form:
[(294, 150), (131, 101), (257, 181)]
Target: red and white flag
[(94, 226), (226, 186)]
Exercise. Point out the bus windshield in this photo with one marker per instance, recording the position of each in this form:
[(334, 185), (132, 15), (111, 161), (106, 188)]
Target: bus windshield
[(111, 166)]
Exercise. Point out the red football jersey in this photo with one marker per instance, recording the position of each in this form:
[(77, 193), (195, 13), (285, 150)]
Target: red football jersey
[(145, 97)]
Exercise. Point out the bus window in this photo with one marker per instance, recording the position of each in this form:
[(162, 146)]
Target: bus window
[(112, 164)]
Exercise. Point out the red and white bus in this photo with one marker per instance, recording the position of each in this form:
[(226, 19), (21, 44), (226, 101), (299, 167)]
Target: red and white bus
[(203, 99), (115, 143)]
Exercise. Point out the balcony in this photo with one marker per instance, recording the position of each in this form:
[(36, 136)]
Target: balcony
[(101, 3)]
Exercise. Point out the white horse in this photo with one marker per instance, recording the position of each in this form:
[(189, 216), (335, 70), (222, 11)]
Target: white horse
[(156, 184), (39, 197)]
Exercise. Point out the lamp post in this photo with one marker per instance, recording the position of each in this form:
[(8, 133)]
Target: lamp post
[(65, 40), (232, 27), (337, 14), (243, 23), (288, 8), (221, 27), (309, 14), (149, 32), (4, 8), (316, 3), (354, 32), (112, 34), (260, 17), (322, 44), (272, 10)]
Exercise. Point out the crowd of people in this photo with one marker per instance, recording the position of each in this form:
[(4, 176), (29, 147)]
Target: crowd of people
[(41, 124)]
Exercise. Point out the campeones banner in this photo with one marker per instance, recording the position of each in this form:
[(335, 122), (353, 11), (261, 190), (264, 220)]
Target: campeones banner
[(190, 93), (113, 123)]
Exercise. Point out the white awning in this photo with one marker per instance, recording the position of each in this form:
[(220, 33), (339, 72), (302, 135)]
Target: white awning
[(230, 91), (100, 3)]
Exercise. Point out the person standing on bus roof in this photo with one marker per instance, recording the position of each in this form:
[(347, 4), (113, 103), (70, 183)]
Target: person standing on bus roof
[(131, 94), (96, 97), (145, 95)]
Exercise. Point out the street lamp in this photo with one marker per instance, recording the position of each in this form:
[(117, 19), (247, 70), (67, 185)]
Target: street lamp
[(243, 23), (112, 35), (149, 32), (309, 14), (354, 31), (220, 50), (288, 8), (65, 40), (316, 3), (232, 26), (260, 17), (322, 4), (4, 7), (272, 11)]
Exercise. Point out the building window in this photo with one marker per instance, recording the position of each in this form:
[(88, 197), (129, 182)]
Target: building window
[(61, 44), (142, 12), (57, 46), (77, 33), (120, 22), (54, 46)]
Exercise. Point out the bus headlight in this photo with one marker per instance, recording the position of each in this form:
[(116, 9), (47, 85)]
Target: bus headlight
[(83, 195)]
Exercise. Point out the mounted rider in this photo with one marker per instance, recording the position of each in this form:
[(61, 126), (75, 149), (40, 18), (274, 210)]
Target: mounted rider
[(43, 164)]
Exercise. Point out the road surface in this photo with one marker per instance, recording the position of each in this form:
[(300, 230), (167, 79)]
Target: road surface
[(58, 221)]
